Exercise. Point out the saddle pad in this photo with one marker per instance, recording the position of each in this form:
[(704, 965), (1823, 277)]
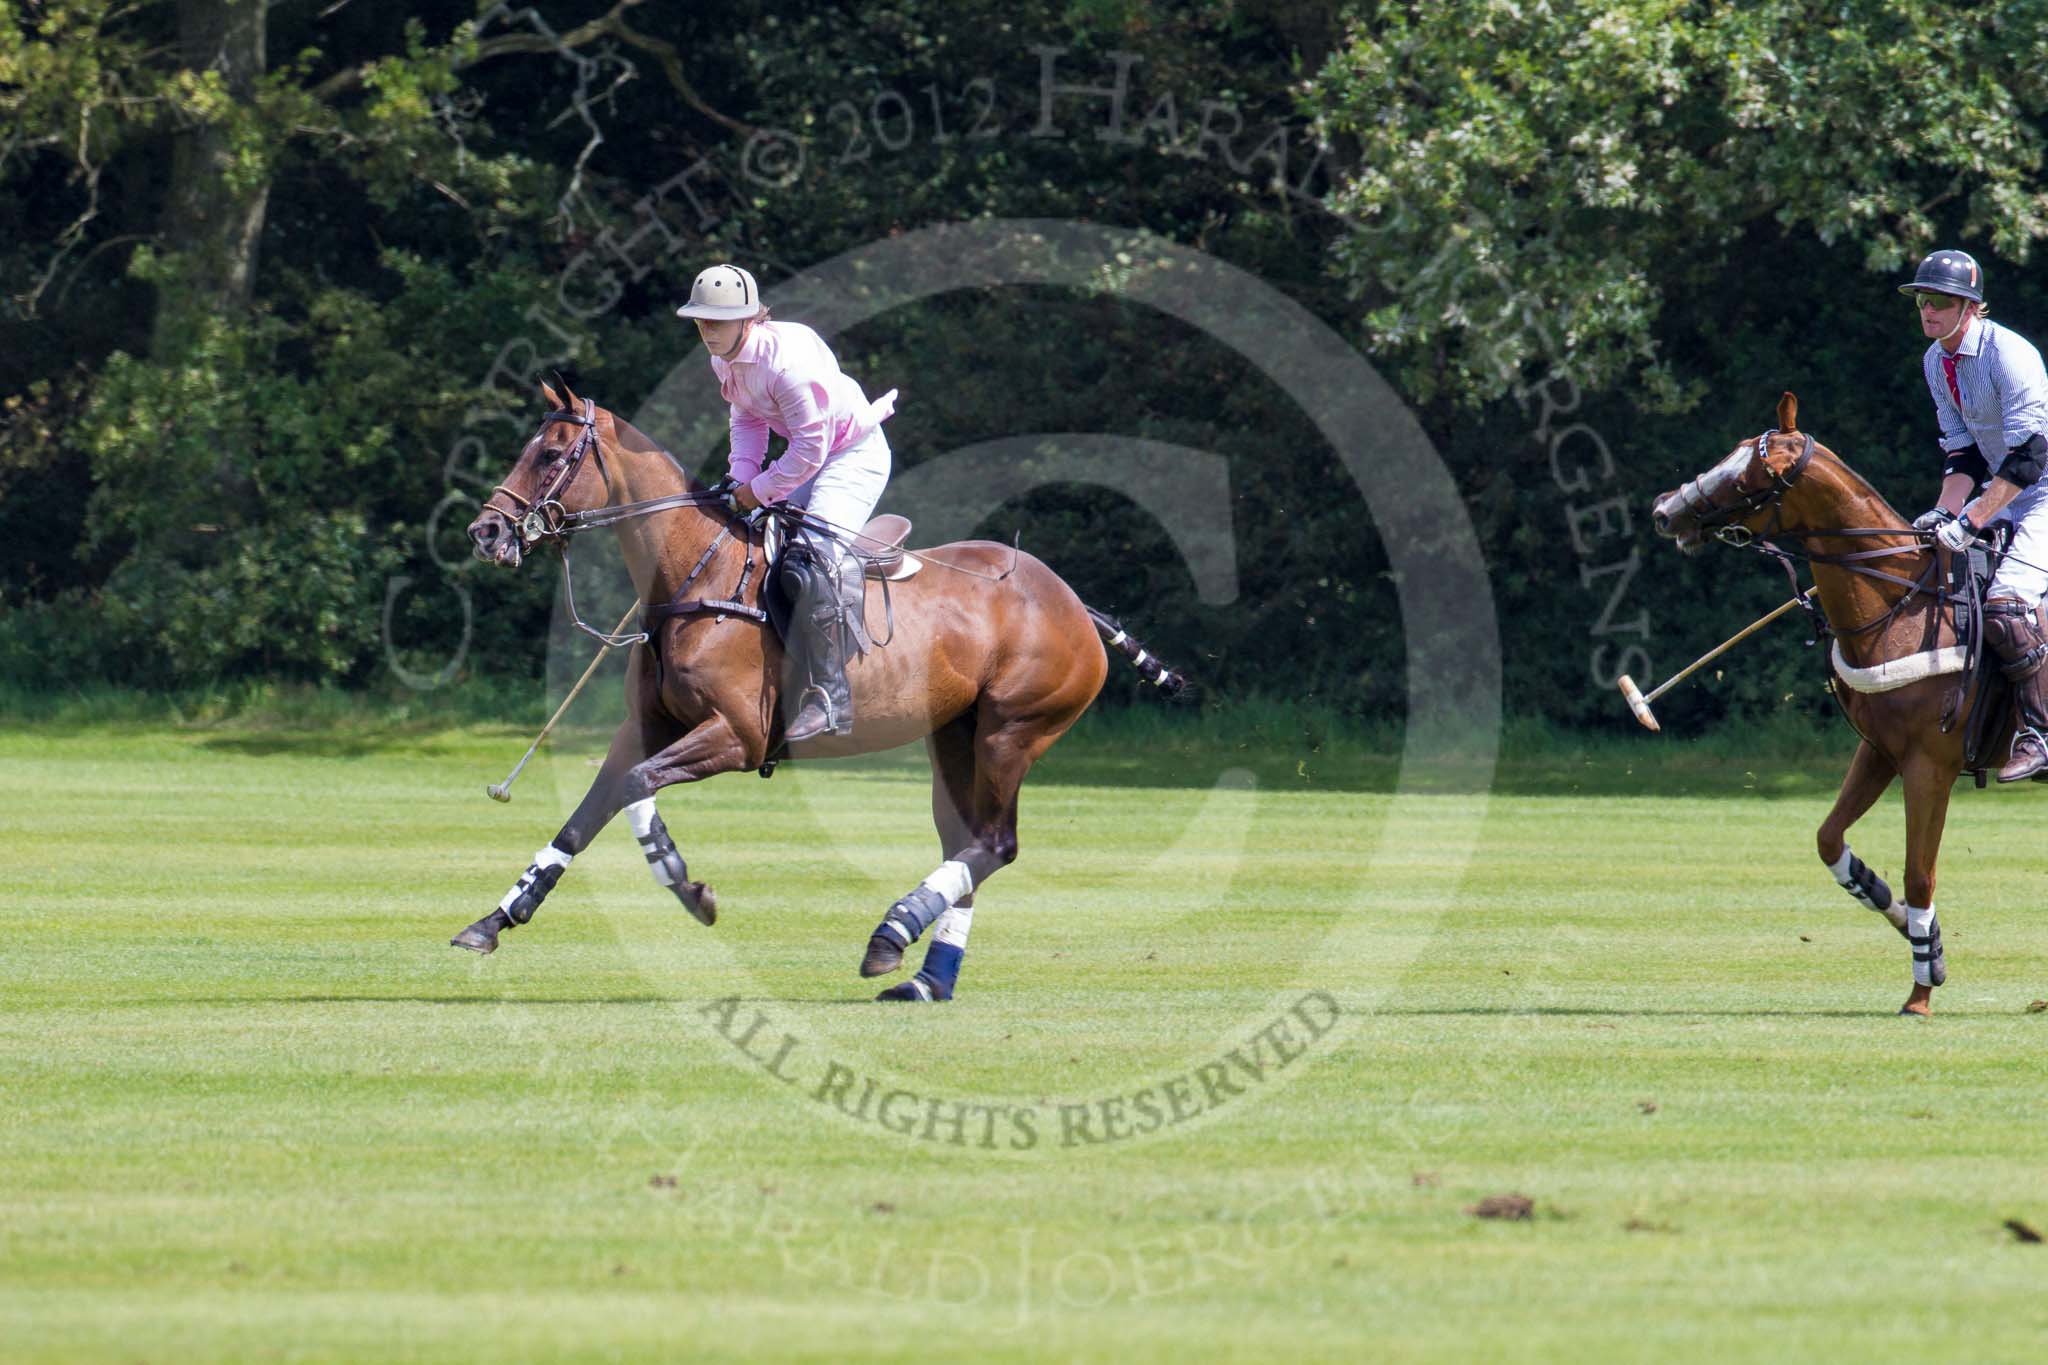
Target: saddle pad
[(1896, 673)]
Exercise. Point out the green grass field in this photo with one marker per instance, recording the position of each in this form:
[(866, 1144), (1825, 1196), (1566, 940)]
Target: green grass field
[(252, 1106)]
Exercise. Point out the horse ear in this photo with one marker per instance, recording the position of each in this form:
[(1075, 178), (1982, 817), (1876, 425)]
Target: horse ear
[(568, 398), (1788, 411), (549, 397)]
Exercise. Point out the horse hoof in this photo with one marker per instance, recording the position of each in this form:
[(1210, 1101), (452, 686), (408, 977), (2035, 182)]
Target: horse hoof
[(1919, 1005), (476, 939), (912, 989), (700, 900), (885, 955)]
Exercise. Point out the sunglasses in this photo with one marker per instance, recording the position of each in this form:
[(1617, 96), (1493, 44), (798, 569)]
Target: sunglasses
[(1938, 302)]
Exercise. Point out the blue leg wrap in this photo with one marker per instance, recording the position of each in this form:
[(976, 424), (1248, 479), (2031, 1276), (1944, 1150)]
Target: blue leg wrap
[(941, 970)]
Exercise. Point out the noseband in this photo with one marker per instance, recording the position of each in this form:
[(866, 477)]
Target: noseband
[(1697, 496), (544, 515)]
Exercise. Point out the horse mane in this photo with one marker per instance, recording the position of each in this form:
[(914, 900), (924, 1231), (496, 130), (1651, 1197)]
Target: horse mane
[(634, 441), (1857, 481)]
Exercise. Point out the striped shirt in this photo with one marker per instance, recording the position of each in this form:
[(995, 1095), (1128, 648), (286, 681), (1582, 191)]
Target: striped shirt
[(2002, 387)]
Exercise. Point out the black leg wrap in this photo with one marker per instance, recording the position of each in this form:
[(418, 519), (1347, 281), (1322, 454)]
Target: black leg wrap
[(914, 914), (902, 926), (1866, 886), (529, 892), (1928, 950), (663, 857), (665, 860)]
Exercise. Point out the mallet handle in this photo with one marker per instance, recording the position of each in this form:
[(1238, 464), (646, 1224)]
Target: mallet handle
[(1718, 650), (503, 790)]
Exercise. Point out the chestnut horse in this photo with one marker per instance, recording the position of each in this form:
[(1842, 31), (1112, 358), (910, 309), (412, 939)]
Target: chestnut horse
[(990, 659), (1894, 655)]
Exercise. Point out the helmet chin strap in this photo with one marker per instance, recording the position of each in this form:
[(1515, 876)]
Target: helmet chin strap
[(738, 341), (1967, 316)]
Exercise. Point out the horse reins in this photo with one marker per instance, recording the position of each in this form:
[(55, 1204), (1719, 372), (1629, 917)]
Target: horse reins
[(1696, 499), (1717, 519), (544, 518)]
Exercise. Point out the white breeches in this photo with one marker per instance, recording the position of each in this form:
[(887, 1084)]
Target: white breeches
[(844, 493), (2029, 515)]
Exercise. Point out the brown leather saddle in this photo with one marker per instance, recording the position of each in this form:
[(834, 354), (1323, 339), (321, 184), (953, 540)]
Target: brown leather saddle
[(880, 547)]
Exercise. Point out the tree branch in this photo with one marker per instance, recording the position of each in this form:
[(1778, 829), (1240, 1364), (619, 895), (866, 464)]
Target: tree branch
[(612, 24), (69, 238)]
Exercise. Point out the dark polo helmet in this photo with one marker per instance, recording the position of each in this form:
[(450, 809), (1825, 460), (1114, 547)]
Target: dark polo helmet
[(1948, 272)]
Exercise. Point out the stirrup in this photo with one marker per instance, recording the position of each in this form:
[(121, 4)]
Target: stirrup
[(829, 725), (2039, 755)]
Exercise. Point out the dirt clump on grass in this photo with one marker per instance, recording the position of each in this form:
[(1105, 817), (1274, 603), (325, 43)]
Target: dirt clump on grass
[(1512, 1207)]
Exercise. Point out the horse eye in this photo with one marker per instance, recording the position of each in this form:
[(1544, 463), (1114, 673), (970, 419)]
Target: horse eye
[(550, 454)]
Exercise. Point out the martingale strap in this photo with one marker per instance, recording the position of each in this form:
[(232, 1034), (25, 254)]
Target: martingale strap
[(682, 604)]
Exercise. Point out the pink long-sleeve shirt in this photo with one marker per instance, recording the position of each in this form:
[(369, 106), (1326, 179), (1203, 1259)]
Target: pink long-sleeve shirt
[(785, 379)]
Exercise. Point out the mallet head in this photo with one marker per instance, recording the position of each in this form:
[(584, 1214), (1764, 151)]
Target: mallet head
[(1637, 702), (502, 791)]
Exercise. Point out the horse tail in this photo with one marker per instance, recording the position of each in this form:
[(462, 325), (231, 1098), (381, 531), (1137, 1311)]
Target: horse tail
[(1170, 682)]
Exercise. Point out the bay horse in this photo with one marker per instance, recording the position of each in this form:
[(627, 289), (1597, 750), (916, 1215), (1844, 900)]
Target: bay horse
[(989, 659), (1895, 655)]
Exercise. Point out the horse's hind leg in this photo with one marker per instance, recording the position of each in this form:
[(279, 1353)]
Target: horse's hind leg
[(952, 753), (630, 746), (1928, 785), (1870, 772), (1002, 755)]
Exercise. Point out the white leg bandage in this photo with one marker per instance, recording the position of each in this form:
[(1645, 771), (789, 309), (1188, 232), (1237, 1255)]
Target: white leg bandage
[(641, 813), (952, 880), (953, 926)]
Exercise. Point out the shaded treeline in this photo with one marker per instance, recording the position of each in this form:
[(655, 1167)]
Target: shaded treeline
[(280, 277)]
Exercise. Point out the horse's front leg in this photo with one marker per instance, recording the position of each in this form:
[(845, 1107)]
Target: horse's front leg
[(629, 747), (1870, 772), (708, 749), (1928, 785)]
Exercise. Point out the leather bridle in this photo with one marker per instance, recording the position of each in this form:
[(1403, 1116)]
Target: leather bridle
[(543, 515), (1696, 497)]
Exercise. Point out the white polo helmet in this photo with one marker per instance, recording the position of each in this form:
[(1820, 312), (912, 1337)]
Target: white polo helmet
[(722, 293)]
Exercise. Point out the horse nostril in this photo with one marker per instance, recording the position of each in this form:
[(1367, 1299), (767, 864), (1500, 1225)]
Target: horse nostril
[(1661, 523)]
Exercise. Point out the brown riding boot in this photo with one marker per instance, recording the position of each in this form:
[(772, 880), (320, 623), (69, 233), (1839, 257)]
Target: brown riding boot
[(2013, 630)]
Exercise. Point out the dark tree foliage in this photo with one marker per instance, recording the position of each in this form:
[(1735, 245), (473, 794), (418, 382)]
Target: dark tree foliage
[(279, 280)]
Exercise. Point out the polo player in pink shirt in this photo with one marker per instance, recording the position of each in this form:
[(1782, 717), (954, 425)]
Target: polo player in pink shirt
[(781, 377)]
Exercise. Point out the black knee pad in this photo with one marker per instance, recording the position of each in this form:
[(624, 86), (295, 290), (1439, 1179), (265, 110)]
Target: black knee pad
[(795, 571)]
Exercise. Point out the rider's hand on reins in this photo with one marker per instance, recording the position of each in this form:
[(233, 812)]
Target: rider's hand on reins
[(729, 491), (1957, 533), (1933, 519)]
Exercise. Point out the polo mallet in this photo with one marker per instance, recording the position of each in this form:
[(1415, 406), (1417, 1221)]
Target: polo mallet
[(502, 791), (1640, 704)]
